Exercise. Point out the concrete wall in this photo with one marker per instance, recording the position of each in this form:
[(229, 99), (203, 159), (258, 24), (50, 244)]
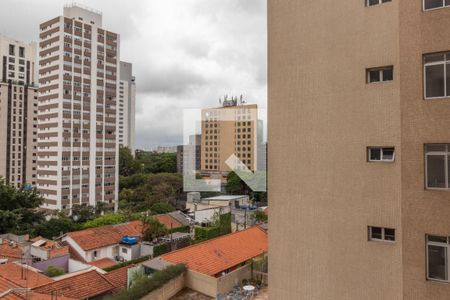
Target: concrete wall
[(202, 283), (322, 117), (169, 290), (227, 282), (60, 262), (423, 121)]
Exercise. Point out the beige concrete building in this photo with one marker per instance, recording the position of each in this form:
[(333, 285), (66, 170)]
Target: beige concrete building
[(127, 106), (227, 130), (359, 134), (78, 77), (18, 112)]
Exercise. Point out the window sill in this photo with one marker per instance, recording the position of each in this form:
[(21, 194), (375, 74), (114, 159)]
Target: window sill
[(381, 161), (437, 189), (437, 280), (382, 241), (435, 8)]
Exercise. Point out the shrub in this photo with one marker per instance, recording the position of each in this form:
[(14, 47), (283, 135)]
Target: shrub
[(53, 271), (161, 249), (108, 219), (144, 286), (126, 263)]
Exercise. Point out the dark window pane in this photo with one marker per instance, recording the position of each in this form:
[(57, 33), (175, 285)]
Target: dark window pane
[(374, 76), (384, 1), (434, 57), (437, 262), (375, 233), (388, 74), (433, 3), (436, 171), (389, 234), (437, 239), (375, 153), (434, 77), (435, 148), (373, 2), (447, 2), (388, 153)]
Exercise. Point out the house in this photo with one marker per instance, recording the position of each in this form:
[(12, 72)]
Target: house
[(207, 215), (86, 285), (13, 247), (11, 291), (104, 242), (232, 201), (44, 249), (23, 275), (120, 277), (216, 265)]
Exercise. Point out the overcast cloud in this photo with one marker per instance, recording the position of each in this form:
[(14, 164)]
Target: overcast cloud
[(185, 53)]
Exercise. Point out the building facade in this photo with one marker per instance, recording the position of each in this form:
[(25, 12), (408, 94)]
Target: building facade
[(18, 112), (78, 77), (359, 149), (227, 130), (127, 104), (192, 150)]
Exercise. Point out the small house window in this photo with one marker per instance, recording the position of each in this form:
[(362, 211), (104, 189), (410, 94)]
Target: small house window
[(386, 154), (376, 2), (381, 234), (380, 74)]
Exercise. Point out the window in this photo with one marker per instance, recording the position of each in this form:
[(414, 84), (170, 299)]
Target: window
[(437, 165), (380, 74), (124, 250), (386, 154), (376, 2), (432, 4), (436, 69), (381, 234), (21, 51), (437, 257), (11, 50)]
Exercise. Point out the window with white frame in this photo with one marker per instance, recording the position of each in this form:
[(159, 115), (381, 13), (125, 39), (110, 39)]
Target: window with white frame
[(381, 234), (436, 69), (376, 2), (437, 165), (381, 154), (437, 257), (380, 74), (432, 4)]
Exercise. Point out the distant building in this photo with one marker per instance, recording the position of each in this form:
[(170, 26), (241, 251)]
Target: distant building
[(78, 75), (193, 149), (166, 149), (126, 108), (18, 112), (227, 130)]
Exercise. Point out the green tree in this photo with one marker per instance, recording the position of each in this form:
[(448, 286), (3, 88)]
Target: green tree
[(235, 185), (108, 219), (161, 208), (56, 226), (260, 216), (127, 163), (152, 229), (83, 213), (18, 212)]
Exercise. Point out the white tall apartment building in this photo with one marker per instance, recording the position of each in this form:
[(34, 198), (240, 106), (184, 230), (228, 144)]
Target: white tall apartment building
[(78, 76), (18, 112), (127, 104)]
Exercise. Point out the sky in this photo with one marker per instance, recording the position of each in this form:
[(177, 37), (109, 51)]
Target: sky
[(185, 53)]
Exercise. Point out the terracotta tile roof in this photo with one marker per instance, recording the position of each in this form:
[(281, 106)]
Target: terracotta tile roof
[(168, 221), (23, 275), (10, 252), (94, 238), (103, 263), (53, 248), (75, 255), (219, 254), (82, 286), (119, 277)]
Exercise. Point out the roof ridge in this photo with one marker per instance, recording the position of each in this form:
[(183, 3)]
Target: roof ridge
[(210, 240)]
